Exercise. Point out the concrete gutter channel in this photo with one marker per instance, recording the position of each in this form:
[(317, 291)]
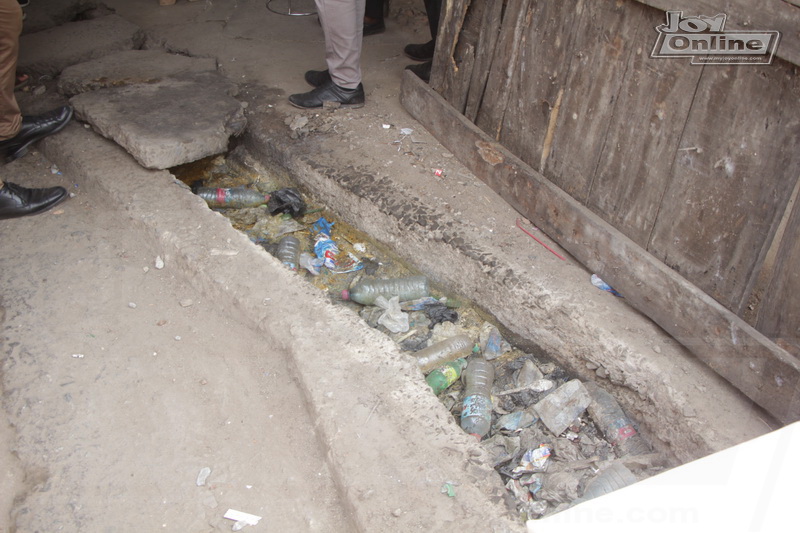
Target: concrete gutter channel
[(357, 389)]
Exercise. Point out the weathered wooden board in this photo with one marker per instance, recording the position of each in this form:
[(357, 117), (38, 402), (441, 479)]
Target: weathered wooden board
[(779, 316), (447, 72), (732, 179), (601, 50), (491, 19), (758, 367), (540, 79), (504, 62), (643, 137), (764, 15)]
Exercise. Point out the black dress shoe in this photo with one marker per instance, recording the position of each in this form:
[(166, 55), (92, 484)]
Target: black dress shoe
[(329, 92), (16, 201), (374, 28), (422, 70), (316, 78), (420, 52), (33, 129)]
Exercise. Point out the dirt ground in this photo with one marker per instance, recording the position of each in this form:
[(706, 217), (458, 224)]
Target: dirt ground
[(122, 380)]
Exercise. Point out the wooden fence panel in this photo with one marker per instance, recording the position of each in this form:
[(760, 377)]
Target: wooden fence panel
[(491, 17), (779, 316), (446, 75), (603, 45), (643, 137), (733, 178), (540, 80), (504, 62)]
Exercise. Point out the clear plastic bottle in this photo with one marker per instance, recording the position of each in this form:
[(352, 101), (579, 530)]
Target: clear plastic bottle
[(366, 291), (441, 378), (236, 198), (443, 352), (476, 411), (612, 478), (614, 423), (289, 251)]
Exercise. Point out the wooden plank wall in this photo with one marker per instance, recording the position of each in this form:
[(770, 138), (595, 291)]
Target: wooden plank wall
[(695, 164)]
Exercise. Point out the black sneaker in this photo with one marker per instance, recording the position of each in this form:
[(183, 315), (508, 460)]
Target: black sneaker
[(329, 93)]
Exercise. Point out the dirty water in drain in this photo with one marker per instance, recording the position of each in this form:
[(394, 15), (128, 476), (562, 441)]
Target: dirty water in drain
[(554, 440)]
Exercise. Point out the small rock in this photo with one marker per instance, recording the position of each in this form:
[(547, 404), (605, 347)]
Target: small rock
[(159, 264), (186, 302), (397, 512), (657, 348), (132, 305)]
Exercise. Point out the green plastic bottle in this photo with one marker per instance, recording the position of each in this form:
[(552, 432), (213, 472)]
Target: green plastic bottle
[(447, 374)]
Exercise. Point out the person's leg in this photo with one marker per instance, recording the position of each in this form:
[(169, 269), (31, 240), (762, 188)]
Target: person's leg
[(433, 9), (10, 29), (373, 17), (342, 23), (373, 10)]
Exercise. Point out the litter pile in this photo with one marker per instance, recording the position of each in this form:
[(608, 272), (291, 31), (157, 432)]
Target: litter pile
[(556, 441)]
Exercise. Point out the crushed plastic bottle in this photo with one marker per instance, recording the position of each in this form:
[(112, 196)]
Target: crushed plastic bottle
[(366, 291), (324, 246), (612, 478), (441, 378), (476, 411), (289, 252), (235, 198), (614, 423), (443, 352)]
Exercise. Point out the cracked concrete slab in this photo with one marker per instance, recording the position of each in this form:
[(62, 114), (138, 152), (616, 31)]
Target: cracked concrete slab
[(48, 52), (129, 67), (167, 123)]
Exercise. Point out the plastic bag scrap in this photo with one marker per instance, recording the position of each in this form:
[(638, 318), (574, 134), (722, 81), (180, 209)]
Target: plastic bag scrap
[(435, 309), (533, 461), (392, 318), (326, 250), (286, 201), (602, 285)]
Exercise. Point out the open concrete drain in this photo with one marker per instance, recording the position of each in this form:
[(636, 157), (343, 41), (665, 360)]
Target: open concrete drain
[(555, 440)]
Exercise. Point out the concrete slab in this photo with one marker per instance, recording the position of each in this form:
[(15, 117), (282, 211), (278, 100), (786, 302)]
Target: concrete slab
[(129, 67), (167, 123), (48, 52)]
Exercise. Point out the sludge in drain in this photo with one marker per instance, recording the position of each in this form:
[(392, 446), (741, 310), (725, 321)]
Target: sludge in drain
[(554, 440)]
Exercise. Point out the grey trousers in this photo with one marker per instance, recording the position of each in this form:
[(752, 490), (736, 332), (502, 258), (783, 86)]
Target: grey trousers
[(343, 25)]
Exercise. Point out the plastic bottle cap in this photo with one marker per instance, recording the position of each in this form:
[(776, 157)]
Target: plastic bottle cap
[(345, 294)]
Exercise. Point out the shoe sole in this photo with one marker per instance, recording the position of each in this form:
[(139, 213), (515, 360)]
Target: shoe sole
[(22, 150), (338, 105)]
